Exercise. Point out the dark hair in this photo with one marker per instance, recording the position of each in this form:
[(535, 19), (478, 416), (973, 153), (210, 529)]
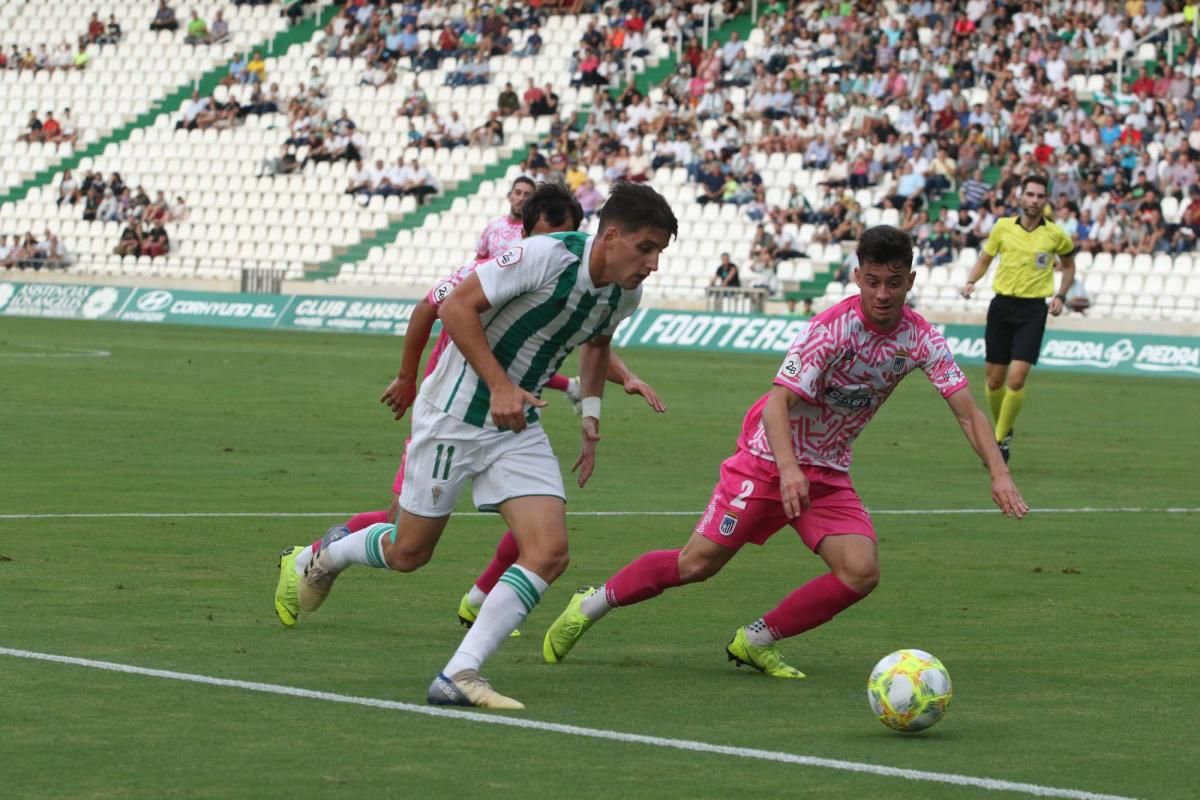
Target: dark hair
[(1040, 180), (553, 201), (524, 179), (633, 206), (885, 245)]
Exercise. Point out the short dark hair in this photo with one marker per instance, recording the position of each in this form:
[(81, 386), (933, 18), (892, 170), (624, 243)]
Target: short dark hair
[(524, 179), (1040, 180), (633, 206), (885, 245), (553, 201)]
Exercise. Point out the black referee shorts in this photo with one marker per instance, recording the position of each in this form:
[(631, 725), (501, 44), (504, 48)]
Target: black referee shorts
[(1015, 326)]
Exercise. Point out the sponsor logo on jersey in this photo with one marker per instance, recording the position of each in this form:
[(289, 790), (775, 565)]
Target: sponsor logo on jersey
[(952, 375), (509, 257), (849, 398), (728, 523)]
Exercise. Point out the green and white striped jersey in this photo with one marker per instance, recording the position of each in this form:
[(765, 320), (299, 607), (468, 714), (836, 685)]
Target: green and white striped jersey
[(544, 305)]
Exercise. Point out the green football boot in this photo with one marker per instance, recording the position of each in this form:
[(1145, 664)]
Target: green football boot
[(764, 659), (287, 603), (567, 629)]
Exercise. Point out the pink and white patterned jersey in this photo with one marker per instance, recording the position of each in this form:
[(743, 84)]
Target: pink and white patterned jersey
[(436, 297), (843, 369), (500, 234)]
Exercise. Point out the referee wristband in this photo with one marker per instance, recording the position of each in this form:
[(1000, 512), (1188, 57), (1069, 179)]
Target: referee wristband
[(1061, 297), (590, 407)]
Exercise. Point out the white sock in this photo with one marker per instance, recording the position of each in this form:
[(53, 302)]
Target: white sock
[(595, 605), (758, 634), (476, 596), (303, 559), (361, 547), (506, 606)]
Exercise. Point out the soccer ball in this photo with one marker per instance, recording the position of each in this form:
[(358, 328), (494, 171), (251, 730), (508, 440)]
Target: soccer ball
[(909, 690)]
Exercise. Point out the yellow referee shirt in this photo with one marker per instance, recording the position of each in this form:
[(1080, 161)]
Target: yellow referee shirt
[(1026, 267)]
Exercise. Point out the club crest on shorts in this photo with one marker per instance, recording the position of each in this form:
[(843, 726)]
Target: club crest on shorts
[(437, 493), (728, 524), (510, 256)]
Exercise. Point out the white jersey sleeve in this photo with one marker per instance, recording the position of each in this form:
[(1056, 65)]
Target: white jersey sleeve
[(522, 268)]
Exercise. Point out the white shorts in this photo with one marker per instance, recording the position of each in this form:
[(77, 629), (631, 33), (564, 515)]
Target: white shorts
[(446, 452)]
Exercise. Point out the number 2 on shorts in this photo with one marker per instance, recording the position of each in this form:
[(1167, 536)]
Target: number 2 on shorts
[(437, 462), (740, 500)]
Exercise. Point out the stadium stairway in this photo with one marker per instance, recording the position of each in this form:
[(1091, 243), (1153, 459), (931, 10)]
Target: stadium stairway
[(171, 102), (386, 240)]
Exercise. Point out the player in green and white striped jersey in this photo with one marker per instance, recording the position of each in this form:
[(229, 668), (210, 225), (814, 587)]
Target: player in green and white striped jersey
[(476, 419)]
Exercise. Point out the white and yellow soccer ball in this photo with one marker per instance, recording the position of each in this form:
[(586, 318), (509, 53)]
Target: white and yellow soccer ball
[(909, 690)]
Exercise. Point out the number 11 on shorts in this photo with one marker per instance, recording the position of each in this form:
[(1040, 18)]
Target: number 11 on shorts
[(437, 462)]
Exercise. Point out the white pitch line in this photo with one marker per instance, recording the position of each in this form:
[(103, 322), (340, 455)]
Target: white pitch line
[(575, 730), (885, 512)]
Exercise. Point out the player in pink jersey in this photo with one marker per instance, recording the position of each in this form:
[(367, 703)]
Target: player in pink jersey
[(551, 208), (508, 229), (791, 466)]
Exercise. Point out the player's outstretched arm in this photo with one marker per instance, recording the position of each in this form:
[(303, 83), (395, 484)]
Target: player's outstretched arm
[(401, 392), (594, 360), (977, 272), (460, 315), (979, 433), (619, 373), (793, 486)]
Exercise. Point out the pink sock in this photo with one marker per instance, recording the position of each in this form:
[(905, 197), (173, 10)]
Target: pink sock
[(813, 604), (506, 555), (365, 518), (558, 381), (647, 576)]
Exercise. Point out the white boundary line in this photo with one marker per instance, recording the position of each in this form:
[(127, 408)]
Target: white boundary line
[(71, 352), (575, 730), (885, 512)]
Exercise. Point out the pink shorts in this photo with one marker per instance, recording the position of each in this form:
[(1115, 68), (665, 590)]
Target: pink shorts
[(398, 483), (746, 507)]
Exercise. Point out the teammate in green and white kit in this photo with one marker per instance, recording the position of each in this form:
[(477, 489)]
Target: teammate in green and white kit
[(477, 417)]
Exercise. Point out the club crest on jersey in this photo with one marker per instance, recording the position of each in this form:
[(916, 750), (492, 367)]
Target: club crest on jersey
[(728, 524), (510, 256), (441, 291), (899, 361), (848, 355)]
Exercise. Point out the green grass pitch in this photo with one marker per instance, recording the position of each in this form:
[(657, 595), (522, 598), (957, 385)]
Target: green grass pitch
[(1072, 638)]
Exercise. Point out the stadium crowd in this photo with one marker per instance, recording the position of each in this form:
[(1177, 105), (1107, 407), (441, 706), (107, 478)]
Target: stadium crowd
[(924, 114), (31, 252)]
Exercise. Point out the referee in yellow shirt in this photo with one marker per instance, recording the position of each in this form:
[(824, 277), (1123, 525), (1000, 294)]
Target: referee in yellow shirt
[(1028, 246)]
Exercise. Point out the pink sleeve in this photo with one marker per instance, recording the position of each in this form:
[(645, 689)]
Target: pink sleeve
[(807, 358), (938, 363)]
